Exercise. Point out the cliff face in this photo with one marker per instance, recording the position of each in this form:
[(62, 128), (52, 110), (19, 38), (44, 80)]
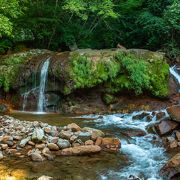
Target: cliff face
[(107, 72)]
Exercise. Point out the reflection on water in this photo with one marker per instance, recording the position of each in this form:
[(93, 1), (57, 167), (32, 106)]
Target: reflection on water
[(138, 157)]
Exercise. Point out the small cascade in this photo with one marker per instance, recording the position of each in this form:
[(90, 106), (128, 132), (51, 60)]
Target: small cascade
[(176, 75), (25, 97), (43, 79)]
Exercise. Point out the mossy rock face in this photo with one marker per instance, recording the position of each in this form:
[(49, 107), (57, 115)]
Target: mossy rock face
[(140, 71), (12, 66)]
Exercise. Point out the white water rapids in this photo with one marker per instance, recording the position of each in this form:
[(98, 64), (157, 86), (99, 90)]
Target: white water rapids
[(145, 157)]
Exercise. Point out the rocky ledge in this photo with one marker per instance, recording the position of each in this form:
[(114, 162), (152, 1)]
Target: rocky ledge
[(41, 141)]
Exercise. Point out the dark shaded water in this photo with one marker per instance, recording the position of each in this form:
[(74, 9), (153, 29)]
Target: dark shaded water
[(139, 156)]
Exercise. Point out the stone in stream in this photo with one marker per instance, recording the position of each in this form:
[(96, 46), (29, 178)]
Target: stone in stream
[(63, 143), (160, 115), (165, 127), (40, 146), (111, 144), (140, 116), (174, 113), (37, 135), (81, 150), (172, 167)]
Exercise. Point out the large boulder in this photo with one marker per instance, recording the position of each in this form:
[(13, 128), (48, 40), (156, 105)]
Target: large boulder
[(172, 167), (166, 126), (81, 150), (174, 113)]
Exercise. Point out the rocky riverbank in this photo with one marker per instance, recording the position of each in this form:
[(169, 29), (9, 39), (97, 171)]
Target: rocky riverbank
[(41, 141)]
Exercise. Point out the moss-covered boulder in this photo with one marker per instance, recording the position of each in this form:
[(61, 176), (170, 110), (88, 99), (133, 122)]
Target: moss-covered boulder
[(114, 70)]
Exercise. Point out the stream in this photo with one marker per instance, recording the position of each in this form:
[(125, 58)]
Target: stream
[(140, 157)]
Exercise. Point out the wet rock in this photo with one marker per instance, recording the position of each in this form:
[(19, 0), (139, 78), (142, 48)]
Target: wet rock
[(65, 134), (1, 155), (23, 142), (133, 131), (81, 150), (112, 144), (149, 118), (74, 127), (140, 116), (165, 127), (174, 113), (63, 143), (160, 115), (35, 156), (84, 136), (45, 178), (89, 142), (37, 135), (53, 147), (172, 167)]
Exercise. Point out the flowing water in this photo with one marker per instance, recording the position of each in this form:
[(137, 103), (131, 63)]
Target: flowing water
[(139, 156), (174, 71), (42, 86)]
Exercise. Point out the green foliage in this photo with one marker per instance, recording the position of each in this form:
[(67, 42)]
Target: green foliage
[(140, 75), (87, 73), (8, 11)]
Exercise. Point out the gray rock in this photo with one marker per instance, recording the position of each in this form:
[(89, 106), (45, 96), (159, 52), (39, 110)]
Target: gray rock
[(38, 135), (63, 143), (24, 142), (84, 136)]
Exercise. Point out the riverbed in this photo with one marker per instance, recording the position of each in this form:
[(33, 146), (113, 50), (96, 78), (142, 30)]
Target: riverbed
[(139, 157)]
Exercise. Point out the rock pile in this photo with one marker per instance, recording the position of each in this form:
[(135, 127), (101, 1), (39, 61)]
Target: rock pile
[(41, 141)]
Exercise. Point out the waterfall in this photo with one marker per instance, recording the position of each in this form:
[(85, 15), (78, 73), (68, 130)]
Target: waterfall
[(173, 71), (42, 85)]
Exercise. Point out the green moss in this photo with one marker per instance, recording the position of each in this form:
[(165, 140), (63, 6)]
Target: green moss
[(10, 67), (87, 73), (141, 75), (109, 99)]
